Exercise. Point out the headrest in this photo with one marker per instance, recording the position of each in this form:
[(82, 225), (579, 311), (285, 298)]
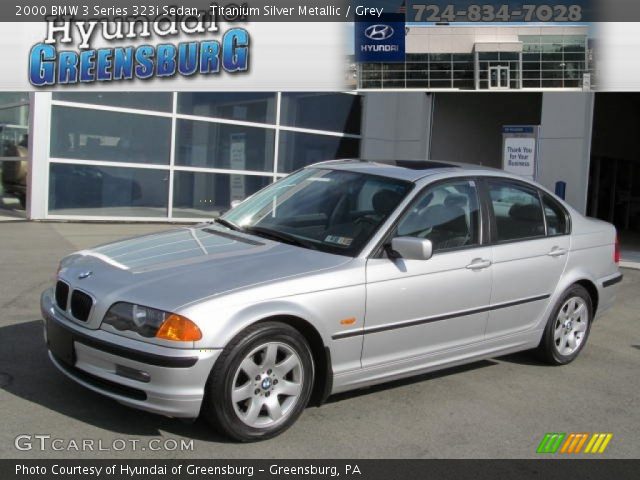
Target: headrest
[(453, 200), (526, 213), (385, 201), (441, 214)]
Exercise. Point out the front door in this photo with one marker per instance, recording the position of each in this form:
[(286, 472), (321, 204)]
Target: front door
[(499, 77), (415, 308)]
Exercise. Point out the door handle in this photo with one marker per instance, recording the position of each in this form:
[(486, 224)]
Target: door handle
[(479, 264), (557, 252)]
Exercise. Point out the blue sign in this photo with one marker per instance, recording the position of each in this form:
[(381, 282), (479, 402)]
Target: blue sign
[(380, 39), (518, 129)]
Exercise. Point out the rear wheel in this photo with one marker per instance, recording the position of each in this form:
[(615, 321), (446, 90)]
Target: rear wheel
[(568, 327), (261, 383)]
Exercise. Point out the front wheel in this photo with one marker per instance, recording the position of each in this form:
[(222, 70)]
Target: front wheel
[(568, 327), (261, 383)]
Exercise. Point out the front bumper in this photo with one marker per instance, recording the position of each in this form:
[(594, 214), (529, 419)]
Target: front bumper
[(163, 380)]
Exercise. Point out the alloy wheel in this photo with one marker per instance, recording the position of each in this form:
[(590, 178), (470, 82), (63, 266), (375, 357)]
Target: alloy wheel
[(571, 326), (267, 385)]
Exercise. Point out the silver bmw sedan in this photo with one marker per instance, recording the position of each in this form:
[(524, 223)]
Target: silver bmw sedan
[(342, 275)]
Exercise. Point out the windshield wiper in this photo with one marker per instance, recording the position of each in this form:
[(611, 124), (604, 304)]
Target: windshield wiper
[(229, 224), (280, 236)]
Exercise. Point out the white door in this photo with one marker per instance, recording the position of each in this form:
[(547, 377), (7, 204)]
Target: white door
[(499, 77)]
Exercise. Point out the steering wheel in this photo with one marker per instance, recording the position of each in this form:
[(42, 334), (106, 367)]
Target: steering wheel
[(370, 219)]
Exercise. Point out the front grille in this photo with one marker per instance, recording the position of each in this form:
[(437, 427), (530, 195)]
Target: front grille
[(81, 304), (62, 294)]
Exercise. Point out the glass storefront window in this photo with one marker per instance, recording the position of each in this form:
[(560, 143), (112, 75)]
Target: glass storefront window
[(218, 145), (421, 75), (220, 151), (14, 141), (13, 98), (14, 116), (198, 194), (297, 150), (441, 68), (463, 57), (84, 134), (440, 57), (489, 56), (528, 83), (107, 191), (156, 101), (13, 185), (14, 124), (322, 111), (554, 61), (259, 107), (417, 57)]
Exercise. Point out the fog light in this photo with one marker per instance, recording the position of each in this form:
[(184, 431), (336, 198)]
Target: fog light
[(133, 374)]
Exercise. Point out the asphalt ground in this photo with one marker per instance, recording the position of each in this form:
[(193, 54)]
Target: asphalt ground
[(499, 408)]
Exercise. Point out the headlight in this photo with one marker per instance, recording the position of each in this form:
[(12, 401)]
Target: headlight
[(150, 322)]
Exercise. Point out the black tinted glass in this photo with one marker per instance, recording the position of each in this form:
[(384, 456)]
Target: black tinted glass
[(446, 214), (517, 211)]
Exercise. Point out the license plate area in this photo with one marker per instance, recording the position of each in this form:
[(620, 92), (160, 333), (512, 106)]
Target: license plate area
[(60, 343)]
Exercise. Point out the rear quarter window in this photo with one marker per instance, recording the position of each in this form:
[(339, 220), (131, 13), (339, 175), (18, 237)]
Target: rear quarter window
[(556, 216)]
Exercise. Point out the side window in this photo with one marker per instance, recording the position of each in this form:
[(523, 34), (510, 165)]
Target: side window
[(446, 214), (557, 221), (517, 211)]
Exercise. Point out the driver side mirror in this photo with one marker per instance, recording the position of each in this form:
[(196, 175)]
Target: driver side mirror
[(412, 248)]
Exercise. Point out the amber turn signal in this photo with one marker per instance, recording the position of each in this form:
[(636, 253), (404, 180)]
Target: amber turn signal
[(179, 328)]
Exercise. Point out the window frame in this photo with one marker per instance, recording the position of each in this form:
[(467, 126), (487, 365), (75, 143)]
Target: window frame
[(484, 239), (562, 208), (486, 180)]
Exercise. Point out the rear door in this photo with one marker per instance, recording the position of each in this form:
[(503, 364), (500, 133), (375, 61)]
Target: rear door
[(531, 243)]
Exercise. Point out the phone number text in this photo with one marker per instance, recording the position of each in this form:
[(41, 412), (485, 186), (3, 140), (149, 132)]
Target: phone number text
[(494, 13)]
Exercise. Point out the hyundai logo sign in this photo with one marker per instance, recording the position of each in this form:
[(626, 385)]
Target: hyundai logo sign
[(380, 39), (379, 32)]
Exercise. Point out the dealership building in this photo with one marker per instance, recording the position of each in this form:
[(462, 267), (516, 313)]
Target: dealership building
[(182, 157), (489, 57)]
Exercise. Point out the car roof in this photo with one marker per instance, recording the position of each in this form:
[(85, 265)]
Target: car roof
[(410, 170)]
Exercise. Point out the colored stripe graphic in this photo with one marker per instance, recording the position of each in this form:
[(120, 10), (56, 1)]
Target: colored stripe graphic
[(574, 443), (598, 443), (551, 442)]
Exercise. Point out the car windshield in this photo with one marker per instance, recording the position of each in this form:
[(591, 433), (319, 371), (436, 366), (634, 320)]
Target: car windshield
[(329, 210)]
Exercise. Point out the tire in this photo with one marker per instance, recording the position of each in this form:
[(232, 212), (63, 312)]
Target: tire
[(566, 333), (261, 383)]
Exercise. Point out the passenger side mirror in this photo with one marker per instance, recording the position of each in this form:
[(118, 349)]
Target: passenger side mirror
[(412, 248)]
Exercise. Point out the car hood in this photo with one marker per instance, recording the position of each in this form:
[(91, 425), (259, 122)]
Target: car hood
[(178, 267)]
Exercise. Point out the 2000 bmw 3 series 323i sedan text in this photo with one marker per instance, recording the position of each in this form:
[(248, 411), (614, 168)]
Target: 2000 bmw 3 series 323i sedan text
[(342, 275)]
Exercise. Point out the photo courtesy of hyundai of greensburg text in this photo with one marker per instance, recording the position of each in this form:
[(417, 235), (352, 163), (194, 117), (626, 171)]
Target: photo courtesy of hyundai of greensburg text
[(367, 239)]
